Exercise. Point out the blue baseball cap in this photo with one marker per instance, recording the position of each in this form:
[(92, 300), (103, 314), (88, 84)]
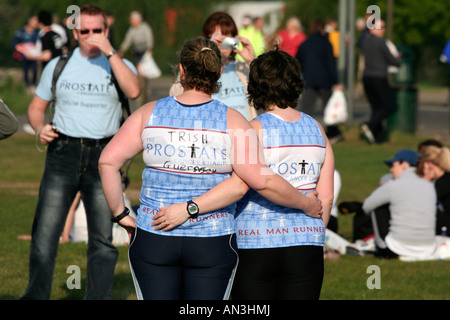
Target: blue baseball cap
[(407, 155)]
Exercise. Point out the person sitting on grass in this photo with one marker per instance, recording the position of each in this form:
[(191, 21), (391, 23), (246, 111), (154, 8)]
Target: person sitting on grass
[(412, 201)]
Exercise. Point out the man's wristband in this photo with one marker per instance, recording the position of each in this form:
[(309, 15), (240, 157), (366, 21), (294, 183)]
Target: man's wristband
[(121, 216)]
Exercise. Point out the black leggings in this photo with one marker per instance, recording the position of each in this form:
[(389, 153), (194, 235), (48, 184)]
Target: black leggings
[(279, 273), (182, 268)]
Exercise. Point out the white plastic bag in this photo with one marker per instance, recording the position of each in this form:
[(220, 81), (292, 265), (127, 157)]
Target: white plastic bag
[(336, 109), (393, 49), (148, 68), (79, 233)]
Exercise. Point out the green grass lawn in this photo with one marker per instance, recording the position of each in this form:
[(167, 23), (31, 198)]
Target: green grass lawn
[(360, 165)]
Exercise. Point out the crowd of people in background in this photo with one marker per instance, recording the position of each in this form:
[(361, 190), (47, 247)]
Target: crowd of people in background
[(44, 38), (208, 215), (317, 49)]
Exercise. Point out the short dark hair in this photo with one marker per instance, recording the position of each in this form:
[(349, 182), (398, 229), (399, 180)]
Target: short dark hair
[(92, 10), (317, 25), (226, 24), (222, 19), (45, 17), (275, 79)]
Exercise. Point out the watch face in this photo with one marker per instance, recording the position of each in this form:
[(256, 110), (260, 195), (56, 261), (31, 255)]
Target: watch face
[(192, 208)]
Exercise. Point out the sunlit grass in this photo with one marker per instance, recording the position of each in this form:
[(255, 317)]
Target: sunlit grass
[(361, 166)]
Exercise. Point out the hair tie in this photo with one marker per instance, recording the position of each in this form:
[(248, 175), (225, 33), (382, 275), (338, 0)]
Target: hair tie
[(205, 48)]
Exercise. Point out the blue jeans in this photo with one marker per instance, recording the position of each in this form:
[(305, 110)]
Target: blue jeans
[(29, 65), (69, 167)]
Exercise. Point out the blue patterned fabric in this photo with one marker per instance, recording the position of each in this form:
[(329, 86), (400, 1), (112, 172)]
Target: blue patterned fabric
[(187, 152), (296, 151)]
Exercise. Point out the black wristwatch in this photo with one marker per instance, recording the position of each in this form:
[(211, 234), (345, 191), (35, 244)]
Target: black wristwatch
[(192, 209), (121, 216)]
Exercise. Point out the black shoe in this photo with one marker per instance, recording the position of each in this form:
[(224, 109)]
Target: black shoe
[(349, 207)]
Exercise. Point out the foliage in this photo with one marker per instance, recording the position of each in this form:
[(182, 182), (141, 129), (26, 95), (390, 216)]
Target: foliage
[(190, 17), (307, 11), (421, 25), (418, 25)]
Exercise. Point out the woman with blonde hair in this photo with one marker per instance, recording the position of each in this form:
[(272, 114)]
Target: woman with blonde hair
[(290, 38), (434, 165)]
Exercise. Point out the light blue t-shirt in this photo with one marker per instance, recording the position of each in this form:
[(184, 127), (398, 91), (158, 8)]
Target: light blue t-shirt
[(87, 104), (295, 151), (187, 151), (232, 91)]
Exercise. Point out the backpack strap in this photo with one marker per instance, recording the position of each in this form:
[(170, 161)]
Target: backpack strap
[(122, 97), (125, 109), (60, 65)]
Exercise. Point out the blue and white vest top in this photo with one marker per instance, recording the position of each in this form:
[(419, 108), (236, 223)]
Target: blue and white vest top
[(295, 151), (232, 91), (186, 149)]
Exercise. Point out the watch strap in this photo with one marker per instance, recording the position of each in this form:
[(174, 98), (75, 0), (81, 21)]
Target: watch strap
[(111, 54), (121, 216)]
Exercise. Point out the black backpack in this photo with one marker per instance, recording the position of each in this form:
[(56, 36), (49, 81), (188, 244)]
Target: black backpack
[(60, 67)]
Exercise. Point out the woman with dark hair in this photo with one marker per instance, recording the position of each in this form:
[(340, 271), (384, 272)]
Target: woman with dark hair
[(281, 247), (190, 144), (233, 82)]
